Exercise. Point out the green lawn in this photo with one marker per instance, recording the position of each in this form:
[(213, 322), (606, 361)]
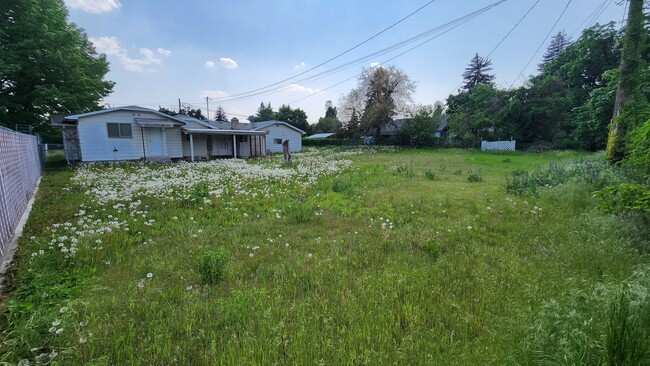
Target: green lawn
[(364, 257)]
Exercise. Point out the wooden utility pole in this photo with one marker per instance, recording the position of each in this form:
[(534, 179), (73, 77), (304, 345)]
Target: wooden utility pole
[(628, 84), (207, 107)]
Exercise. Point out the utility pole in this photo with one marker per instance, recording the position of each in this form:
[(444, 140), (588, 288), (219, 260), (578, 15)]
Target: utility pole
[(628, 84), (179, 105), (207, 106)]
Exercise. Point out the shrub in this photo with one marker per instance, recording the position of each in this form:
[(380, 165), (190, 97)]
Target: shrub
[(430, 175), (213, 265), (340, 186), (624, 197), (405, 170), (474, 177)]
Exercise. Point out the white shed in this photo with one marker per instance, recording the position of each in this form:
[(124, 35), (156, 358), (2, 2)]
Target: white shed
[(277, 132)]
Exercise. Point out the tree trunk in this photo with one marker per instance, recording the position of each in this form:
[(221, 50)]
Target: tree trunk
[(627, 81)]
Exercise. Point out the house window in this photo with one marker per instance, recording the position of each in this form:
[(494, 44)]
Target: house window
[(278, 141), (119, 130)]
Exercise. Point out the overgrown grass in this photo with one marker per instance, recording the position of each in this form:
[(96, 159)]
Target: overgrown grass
[(368, 265)]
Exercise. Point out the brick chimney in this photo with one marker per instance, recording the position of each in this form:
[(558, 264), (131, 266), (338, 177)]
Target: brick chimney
[(234, 123)]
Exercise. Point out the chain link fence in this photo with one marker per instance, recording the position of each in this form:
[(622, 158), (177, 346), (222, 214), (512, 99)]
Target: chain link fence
[(21, 162)]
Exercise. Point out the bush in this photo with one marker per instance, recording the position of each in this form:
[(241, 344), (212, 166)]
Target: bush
[(474, 177), (405, 170), (213, 265), (326, 142), (430, 175), (632, 197)]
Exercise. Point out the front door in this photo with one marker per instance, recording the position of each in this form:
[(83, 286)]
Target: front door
[(155, 141)]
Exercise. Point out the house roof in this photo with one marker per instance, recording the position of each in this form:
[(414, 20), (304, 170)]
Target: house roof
[(259, 125), (132, 108), (321, 135), (206, 131), (194, 121), (443, 123)]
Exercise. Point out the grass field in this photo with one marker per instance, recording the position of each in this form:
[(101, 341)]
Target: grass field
[(364, 257)]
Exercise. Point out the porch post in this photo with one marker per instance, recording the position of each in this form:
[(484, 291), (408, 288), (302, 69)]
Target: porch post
[(191, 148), (234, 146)]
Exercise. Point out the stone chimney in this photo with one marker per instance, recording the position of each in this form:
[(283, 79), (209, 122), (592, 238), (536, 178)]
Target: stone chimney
[(234, 123)]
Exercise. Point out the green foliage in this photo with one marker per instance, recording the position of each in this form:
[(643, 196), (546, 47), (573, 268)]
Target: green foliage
[(420, 130), (264, 113), (639, 148), (327, 124), (628, 334), (47, 66), (295, 117), (475, 113), (405, 170), (512, 283), (199, 193), (430, 174), (213, 266), (340, 186), (325, 142), (187, 111), (625, 197), (474, 176)]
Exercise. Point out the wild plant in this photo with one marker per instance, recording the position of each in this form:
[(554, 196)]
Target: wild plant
[(213, 266)]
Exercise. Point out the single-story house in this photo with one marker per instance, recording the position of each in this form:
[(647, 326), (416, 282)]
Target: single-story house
[(392, 129), (136, 133), (320, 136)]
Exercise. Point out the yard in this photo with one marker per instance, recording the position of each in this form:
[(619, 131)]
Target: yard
[(364, 256)]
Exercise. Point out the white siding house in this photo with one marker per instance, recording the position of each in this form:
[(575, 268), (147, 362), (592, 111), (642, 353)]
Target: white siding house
[(136, 133), (128, 133), (277, 132)]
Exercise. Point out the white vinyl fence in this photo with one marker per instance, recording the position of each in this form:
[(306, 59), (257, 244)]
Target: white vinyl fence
[(498, 145), (20, 169)]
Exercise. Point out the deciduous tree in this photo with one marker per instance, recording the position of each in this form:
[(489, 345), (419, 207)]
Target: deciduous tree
[(47, 65)]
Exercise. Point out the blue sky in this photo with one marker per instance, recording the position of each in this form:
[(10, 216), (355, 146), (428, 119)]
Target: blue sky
[(162, 50)]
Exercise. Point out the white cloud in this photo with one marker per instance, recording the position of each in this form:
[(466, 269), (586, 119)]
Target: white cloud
[(213, 94), (228, 63), (94, 6), (300, 89), (374, 64), (209, 65), (111, 46), (164, 52), (300, 65)]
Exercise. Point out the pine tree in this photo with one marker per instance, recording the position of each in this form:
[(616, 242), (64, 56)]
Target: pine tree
[(477, 72), (220, 115), (559, 43)]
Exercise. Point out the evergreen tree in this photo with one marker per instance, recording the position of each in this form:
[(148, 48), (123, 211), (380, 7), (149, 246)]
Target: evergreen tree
[(559, 43), (476, 73), (330, 110), (220, 115), (264, 113)]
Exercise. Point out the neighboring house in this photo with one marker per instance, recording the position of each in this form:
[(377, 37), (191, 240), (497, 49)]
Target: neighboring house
[(442, 130), (320, 136), (277, 132), (136, 133), (392, 129)]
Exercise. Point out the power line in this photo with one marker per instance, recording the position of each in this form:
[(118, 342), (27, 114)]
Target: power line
[(342, 53), (429, 33), (504, 38), (474, 15), (543, 41), (589, 18)]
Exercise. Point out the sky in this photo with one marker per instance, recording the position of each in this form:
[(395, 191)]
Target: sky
[(161, 51)]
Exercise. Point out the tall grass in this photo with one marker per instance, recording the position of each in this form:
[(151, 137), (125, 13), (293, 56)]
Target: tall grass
[(366, 265)]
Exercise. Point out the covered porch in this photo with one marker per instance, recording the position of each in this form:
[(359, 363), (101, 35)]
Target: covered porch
[(205, 144)]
